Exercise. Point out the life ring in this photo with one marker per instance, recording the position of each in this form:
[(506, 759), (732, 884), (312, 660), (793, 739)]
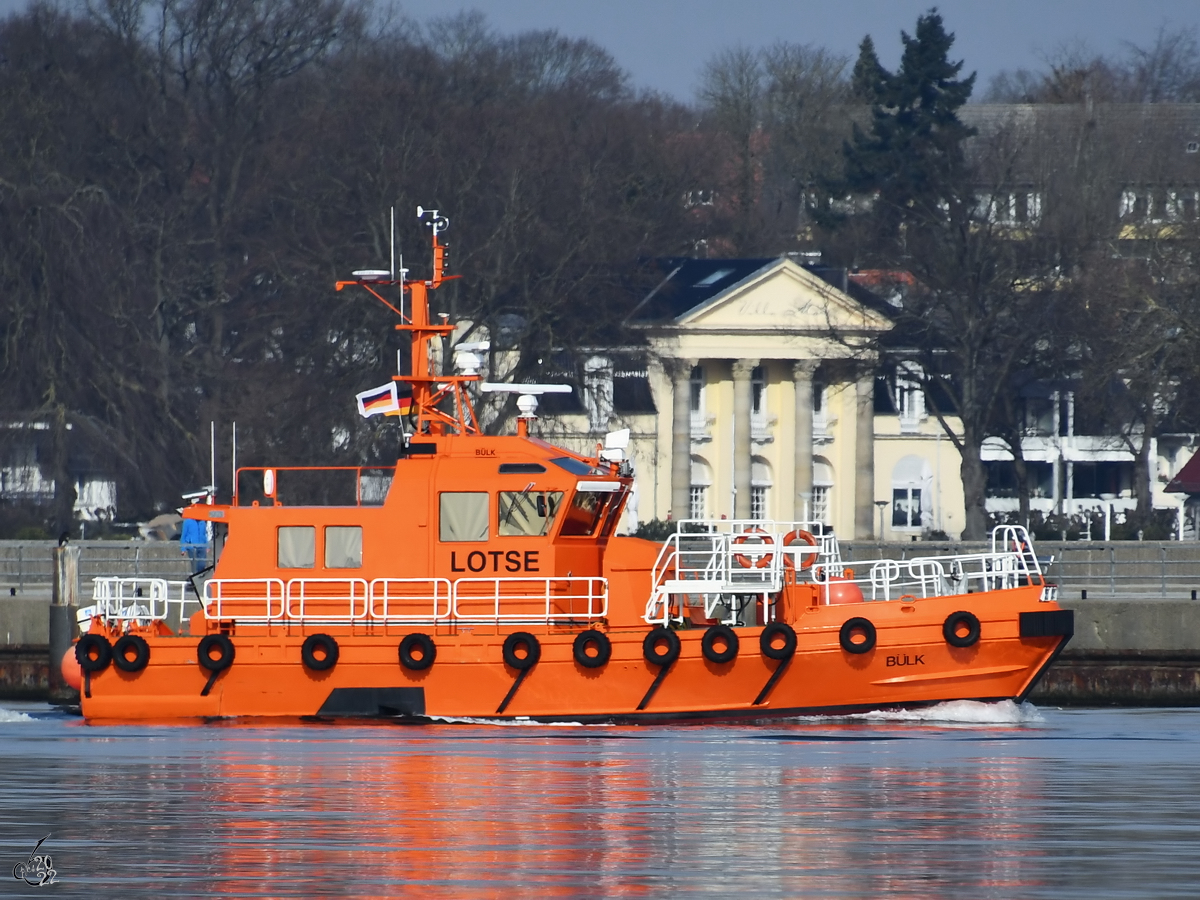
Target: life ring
[(858, 623), (423, 643), (743, 559), (141, 653), (592, 639), (719, 633), (806, 559), (663, 656), (956, 620), (221, 643), (773, 631), (533, 651), (89, 644), (319, 663)]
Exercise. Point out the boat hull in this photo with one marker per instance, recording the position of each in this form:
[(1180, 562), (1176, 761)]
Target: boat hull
[(911, 664)]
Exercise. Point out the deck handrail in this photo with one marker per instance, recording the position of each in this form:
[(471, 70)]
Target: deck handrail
[(543, 591)]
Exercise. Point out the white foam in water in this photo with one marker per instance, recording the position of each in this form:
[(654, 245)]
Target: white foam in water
[(520, 720), (961, 712), (11, 715)]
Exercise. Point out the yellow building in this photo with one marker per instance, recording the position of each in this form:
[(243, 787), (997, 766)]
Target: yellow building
[(763, 390)]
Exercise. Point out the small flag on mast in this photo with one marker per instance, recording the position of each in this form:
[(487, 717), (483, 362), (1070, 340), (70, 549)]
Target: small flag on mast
[(380, 400)]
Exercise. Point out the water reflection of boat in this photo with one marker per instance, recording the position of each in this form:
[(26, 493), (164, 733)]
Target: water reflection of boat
[(480, 577)]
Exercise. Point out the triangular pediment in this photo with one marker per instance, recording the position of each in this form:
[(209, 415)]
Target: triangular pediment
[(784, 297)]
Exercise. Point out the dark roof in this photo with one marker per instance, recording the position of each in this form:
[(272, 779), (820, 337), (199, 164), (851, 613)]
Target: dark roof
[(1188, 479), (688, 283)]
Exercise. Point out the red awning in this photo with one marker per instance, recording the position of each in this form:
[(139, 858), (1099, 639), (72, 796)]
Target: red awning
[(1188, 479)]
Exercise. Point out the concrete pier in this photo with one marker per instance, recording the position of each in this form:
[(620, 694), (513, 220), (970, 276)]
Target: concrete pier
[(1128, 652)]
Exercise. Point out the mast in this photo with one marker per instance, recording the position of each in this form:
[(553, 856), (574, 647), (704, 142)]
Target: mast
[(440, 403)]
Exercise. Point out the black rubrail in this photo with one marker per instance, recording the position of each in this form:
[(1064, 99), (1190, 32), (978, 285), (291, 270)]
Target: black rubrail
[(1048, 623)]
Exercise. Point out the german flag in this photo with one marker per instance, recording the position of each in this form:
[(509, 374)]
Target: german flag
[(379, 401)]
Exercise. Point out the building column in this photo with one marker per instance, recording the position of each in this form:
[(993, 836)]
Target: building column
[(864, 458), (681, 436), (742, 408), (802, 378)]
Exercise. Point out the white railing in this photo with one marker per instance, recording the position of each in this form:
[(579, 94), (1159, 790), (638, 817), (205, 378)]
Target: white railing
[(137, 600), (409, 593), (529, 599), (720, 563), (268, 591), (327, 593), (1010, 564)]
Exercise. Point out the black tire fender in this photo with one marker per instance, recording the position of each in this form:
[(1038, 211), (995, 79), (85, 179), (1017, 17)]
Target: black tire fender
[(592, 638), (425, 644), (719, 633), (308, 652), (93, 643), (766, 641), (141, 653), (666, 655), (858, 623), (533, 651), (208, 644), (954, 621)]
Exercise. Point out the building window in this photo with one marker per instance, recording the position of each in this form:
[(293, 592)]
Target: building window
[(910, 398), (758, 393), (912, 487), (698, 492), (906, 508), (760, 483), (820, 423), (819, 509), (598, 391), (820, 504), (758, 503), (1020, 208)]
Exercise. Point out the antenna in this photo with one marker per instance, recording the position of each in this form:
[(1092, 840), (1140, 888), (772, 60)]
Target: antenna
[(212, 456), (393, 243), (233, 466)]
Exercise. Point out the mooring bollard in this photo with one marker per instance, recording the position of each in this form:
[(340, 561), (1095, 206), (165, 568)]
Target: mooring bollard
[(64, 602)]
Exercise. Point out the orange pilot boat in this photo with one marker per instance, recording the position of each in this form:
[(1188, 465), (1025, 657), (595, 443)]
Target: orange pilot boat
[(480, 578)]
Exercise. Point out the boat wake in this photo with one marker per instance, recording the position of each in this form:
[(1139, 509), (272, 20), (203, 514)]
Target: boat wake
[(960, 712), (12, 715), (481, 720)]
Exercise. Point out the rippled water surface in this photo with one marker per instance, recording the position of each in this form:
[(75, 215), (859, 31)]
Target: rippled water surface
[(968, 800)]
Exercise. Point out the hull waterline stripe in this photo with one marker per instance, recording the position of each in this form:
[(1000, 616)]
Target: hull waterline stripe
[(658, 680), (512, 691), (775, 676)]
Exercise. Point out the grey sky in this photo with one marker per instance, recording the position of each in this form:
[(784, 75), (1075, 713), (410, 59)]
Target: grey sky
[(663, 43)]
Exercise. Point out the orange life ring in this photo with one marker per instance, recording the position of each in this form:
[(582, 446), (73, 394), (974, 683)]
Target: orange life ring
[(799, 535), (745, 561)]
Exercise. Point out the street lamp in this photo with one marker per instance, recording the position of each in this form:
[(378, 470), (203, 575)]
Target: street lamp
[(882, 504)]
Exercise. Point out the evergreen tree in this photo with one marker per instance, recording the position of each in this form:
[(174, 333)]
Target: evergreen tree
[(984, 299), (911, 159)]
